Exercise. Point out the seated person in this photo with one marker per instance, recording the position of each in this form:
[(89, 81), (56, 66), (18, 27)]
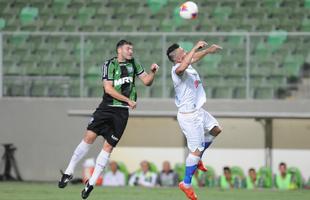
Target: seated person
[(114, 177), (167, 177), (283, 180), (252, 180), (143, 177), (228, 181)]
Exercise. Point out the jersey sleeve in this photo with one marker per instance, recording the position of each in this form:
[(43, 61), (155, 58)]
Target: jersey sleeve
[(108, 70), (138, 68)]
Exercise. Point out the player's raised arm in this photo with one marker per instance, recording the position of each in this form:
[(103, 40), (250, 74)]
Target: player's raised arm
[(109, 89), (200, 54), (187, 60), (147, 78)]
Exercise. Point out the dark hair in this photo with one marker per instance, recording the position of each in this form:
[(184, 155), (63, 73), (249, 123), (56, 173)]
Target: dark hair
[(251, 170), (282, 164), (227, 169), (171, 49), (121, 43)]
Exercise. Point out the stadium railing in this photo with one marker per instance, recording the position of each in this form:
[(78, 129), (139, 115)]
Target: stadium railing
[(260, 65)]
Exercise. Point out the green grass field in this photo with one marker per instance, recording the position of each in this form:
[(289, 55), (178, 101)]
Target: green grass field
[(42, 191)]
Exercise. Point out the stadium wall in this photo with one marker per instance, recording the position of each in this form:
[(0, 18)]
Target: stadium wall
[(46, 136)]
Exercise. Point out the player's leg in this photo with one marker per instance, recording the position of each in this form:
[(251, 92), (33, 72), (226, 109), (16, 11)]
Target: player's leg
[(112, 130), (192, 127), (212, 129), (79, 152), (210, 136), (101, 162)]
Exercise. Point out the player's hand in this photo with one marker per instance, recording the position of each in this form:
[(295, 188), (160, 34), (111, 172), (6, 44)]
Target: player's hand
[(200, 45), (132, 104), (154, 68), (214, 48)]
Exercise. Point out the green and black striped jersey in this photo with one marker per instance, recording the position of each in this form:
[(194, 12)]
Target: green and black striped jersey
[(122, 74)]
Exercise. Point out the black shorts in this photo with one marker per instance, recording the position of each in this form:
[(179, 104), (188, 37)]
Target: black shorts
[(109, 122)]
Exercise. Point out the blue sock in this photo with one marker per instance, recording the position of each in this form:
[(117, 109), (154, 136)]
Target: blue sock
[(191, 166), (189, 172), (207, 144)]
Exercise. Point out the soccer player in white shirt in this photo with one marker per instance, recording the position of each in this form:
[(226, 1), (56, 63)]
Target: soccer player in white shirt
[(198, 126)]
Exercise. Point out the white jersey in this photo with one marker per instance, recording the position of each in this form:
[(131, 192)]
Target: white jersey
[(189, 92)]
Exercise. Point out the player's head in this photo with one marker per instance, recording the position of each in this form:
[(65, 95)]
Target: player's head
[(252, 173), (166, 166), (124, 49), (113, 166), (227, 172), (282, 168), (175, 53), (145, 166)]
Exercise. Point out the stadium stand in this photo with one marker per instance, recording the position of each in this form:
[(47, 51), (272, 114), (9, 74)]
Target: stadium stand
[(276, 60)]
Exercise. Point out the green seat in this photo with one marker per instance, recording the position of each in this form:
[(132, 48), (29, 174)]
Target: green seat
[(179, 168), (156, 90), (305, 25), (292, 65), (307, 3), (271, 3), (297, 180), (239, 93), (38, 88), (95, 91), (264, 176), (85, 13), (57, 88), (122, 167), (276, 39), (237, 171), (210, 177), (156, 5), (28, 14), (186, 45), (223, 92), (264, 93), (15, 87), (222, 12), (2, 23)]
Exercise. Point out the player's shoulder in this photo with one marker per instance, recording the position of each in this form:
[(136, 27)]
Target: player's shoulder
[(175, 66), (110, 61)]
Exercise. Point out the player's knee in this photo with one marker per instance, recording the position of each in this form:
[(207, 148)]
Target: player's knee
[(107, 147)]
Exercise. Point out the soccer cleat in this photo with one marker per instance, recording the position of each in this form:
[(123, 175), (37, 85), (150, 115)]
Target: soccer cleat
[(201, 167), (189, 192), (86, 191), (65, 179)]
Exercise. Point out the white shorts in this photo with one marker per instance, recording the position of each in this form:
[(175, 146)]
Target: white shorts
[(194, 126)]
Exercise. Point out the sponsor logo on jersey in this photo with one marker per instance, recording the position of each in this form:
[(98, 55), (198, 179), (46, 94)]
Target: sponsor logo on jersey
[(114, 138), (129, 69), (123, 80)]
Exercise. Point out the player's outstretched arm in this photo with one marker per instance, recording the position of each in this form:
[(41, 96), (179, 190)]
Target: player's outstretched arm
[(147, 78), (200, 54), (188, 58), (109, 89)]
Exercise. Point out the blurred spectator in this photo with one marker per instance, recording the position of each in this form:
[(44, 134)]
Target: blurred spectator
[(228, 180), (283, 180), (114, 177), (143, 177), (252, 180), (167, 177)]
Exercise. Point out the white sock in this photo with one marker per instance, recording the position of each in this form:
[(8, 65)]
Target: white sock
[(101, 162), (78, 154)]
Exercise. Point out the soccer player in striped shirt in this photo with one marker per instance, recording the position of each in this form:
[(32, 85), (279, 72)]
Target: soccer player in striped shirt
[(110, 118)]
